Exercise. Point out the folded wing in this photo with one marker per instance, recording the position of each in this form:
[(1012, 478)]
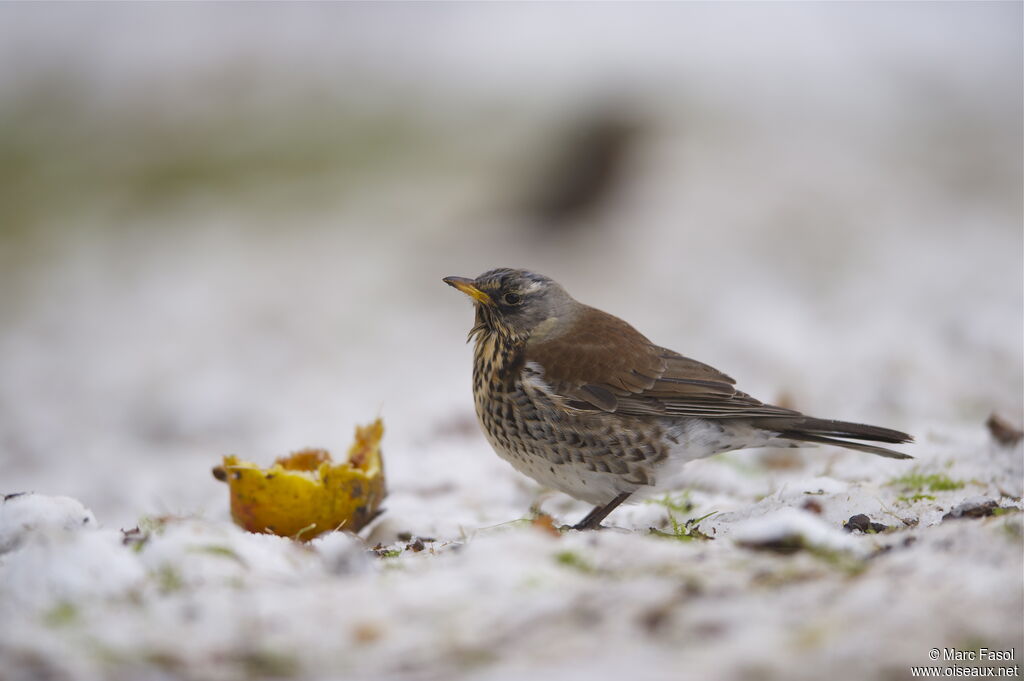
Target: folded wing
[(613, 368)]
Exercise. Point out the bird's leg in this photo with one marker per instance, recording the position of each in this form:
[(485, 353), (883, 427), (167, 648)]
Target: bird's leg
[(594, 518)]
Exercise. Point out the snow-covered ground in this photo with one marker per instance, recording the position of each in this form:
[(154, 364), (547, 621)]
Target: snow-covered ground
[(222, 230)]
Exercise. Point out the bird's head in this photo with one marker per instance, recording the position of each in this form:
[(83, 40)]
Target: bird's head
[(516, 304)]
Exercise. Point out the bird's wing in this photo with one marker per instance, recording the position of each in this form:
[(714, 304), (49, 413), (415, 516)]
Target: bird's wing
[(610, 366)]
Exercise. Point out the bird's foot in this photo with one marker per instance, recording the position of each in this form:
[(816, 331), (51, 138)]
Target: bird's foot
[(580, 527)]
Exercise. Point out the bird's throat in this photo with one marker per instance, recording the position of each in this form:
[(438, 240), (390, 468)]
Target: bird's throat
[(497, 360)]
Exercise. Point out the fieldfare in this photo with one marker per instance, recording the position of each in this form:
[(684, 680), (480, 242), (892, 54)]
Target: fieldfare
[(582, 402)]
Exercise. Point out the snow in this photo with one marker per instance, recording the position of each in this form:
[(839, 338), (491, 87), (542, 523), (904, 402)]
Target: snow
[(23, 515), (825, 203), (792, 525), (54, 565), (200, 597)]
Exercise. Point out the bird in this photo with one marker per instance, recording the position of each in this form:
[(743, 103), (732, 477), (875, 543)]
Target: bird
[(583, 403)]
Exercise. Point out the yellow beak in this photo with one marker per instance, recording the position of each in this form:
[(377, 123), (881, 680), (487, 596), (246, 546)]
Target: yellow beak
[(466, 286)]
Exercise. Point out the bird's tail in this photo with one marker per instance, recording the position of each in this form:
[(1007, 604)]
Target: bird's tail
[(838, 433)]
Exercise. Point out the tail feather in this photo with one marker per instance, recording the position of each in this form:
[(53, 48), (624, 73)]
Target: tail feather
[(859, 446), (838, 433)]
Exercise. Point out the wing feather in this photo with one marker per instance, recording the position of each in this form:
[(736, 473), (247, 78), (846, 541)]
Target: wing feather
[(612, 367)]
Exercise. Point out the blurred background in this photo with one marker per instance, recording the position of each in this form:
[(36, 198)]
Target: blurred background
[(223, 228)]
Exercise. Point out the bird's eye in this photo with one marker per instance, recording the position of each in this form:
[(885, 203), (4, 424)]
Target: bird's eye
[(511, 298)]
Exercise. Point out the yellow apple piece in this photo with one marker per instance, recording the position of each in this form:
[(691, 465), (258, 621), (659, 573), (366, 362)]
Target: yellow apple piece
[(306, 494)]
